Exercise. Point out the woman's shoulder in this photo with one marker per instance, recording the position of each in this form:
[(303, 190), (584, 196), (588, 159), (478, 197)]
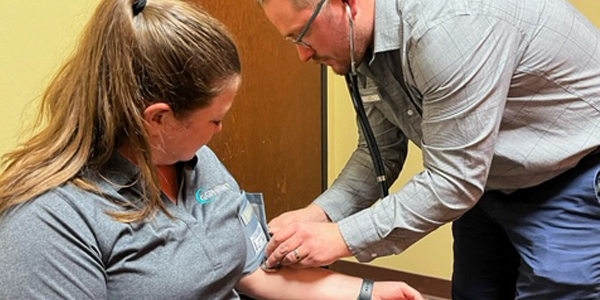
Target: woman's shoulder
[(206, 159), (61, 205), (209, 163), (48, 239), (205, 153)]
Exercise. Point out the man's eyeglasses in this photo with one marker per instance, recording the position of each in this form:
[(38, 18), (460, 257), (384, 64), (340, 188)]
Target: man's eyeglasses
[(299, 40)]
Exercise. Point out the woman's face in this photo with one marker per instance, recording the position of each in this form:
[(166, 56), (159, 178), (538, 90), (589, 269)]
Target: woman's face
[(180, 139)]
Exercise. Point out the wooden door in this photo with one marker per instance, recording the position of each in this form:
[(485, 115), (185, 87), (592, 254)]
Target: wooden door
[(272, 141)]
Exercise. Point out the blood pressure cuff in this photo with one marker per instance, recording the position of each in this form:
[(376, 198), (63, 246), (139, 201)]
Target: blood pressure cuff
[(254, 221)]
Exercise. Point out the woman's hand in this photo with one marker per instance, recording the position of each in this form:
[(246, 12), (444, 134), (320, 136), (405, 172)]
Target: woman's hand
[(394, 290)]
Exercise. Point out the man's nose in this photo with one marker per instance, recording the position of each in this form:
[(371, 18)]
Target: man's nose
[(305, 53)]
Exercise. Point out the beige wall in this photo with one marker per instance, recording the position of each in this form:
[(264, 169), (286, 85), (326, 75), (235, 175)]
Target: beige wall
[(35, 37), (432, 256)]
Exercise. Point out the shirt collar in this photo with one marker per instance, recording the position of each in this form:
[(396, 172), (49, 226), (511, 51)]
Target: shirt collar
[(119, 173), (388, 26)]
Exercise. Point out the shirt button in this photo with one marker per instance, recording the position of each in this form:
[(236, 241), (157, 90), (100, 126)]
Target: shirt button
[(409, 112)]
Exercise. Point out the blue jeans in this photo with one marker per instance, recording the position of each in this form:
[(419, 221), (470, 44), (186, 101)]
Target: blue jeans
[(537, 243)]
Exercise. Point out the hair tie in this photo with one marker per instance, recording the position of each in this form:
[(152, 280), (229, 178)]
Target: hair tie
[(138, 6)]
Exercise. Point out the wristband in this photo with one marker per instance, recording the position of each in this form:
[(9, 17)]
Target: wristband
[(366, 290)]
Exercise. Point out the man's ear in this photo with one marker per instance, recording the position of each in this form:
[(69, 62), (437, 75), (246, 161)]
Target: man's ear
[(157, 117), (353, 6)]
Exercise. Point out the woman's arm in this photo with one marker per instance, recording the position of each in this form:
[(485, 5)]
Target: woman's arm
[(317, 283)]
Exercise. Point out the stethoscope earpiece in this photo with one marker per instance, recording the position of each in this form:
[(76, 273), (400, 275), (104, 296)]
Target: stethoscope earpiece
[(352, 58)]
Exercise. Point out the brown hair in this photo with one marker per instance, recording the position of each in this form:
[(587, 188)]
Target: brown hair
[(172, 52)]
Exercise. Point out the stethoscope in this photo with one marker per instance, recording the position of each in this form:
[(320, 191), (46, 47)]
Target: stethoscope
[(352, 81)]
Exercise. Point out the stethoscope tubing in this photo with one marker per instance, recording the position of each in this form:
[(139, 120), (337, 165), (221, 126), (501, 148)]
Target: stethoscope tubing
[(351, 80)]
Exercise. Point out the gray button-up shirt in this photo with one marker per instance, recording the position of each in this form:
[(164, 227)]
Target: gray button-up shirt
[(499, 95)]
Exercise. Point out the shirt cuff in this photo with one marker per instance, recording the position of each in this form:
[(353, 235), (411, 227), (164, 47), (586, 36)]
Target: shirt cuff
[(327, 202), (362, 237)]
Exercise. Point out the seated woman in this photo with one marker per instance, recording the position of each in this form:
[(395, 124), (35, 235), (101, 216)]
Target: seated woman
[(117, 196)]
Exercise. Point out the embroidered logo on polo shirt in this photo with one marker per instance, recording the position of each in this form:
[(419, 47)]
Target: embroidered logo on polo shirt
[(205, 196)]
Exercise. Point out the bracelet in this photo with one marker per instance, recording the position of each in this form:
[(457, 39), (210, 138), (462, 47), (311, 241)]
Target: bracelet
[(366, 290)]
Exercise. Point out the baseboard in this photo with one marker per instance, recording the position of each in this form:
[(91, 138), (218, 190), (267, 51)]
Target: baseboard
[(438, 288)]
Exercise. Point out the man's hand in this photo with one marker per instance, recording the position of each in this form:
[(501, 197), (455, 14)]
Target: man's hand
[(390, 290), (306, 244), (312, 213)]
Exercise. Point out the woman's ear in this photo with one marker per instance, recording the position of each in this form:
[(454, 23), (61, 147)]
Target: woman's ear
[(157, 117)]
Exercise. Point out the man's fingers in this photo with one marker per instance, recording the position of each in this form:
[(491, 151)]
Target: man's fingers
[(273, 226), (279, 237), (293, 257), (282, 243), (285, 219)]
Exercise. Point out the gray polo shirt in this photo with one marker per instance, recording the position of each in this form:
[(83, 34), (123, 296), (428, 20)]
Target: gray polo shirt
[(499, 95), (63, 245)]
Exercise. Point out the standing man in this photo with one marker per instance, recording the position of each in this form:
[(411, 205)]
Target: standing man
[(503, 98)]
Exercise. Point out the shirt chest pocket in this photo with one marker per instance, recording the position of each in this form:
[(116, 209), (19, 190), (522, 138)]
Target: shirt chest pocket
[(399, 107)]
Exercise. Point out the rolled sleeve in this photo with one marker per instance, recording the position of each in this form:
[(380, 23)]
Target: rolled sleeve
[(363, 239)]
